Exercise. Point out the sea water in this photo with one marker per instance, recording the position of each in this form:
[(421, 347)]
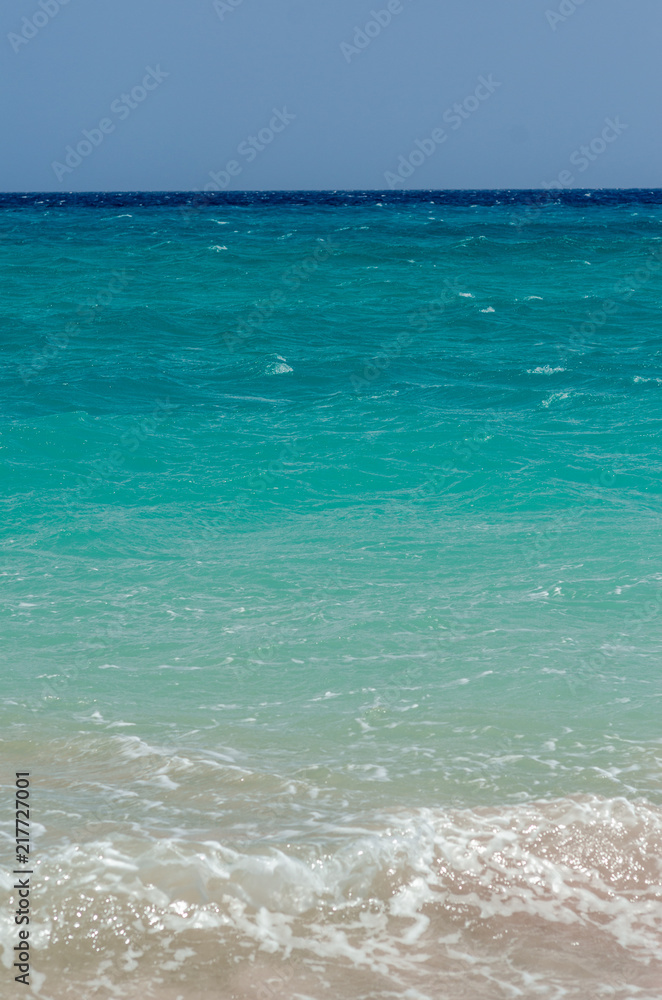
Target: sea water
[(332, 588)]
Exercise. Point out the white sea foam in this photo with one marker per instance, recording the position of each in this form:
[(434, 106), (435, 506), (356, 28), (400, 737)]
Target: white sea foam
[(416, 898), (555, 396), (278, 367)]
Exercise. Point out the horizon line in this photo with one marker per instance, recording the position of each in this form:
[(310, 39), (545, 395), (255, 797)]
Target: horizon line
[(461, 197)]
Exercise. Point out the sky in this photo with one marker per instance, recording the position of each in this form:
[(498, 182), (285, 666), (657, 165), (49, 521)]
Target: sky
[(236, 95)]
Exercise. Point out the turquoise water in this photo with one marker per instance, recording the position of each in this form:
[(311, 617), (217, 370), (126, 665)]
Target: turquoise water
[(331, 589)]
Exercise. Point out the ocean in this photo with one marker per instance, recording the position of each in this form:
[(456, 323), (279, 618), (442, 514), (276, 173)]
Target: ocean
[(331, 587)]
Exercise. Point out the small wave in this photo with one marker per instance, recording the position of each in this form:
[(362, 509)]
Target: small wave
[(279, 367), (424, 900), (554, 397)]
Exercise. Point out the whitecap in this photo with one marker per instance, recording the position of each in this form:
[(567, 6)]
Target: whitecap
[(278, 369), (554, 397)]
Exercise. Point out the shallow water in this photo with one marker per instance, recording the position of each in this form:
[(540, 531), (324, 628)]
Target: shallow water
[(331, 590)]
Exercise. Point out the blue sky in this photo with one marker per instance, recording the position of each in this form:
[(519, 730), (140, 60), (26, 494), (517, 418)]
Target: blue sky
[(324, 94)]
